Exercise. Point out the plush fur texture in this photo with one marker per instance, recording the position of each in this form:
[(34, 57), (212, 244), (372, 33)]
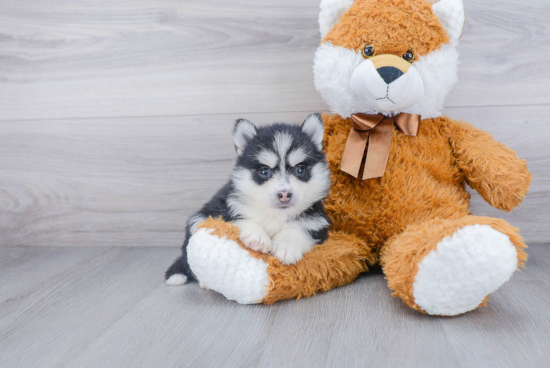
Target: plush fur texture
[(426, 175), (463, 269), (210, 255), (415, 220), (390, 26), (330, 13), (451, 16), (334, 66), (336, 262), (404, 252), (338, 59)]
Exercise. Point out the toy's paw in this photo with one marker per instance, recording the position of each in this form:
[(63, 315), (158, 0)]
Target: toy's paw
[(464, 269), (227, 268), (256, 240)]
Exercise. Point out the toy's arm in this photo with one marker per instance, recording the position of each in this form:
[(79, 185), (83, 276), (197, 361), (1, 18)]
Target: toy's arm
[(491, 168)]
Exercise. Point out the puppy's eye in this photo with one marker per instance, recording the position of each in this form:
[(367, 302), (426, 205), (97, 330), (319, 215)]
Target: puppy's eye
[(265, 172), (299, 170), (368, 51), (409, 56)]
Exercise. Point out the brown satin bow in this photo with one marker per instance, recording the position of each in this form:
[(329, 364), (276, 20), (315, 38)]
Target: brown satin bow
[(377, 130)]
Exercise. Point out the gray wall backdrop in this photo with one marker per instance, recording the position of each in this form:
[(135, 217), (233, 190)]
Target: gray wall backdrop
[(116, 115)]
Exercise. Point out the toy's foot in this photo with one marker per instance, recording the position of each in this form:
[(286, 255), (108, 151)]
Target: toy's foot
[(464, 269), (218, 259), (227, 268), (449, 267)]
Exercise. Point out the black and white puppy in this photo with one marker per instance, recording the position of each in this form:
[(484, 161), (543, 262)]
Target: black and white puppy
[(275, 193)]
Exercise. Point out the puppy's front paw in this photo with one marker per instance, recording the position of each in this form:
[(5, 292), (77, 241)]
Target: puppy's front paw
[(256, 240), (287, 252)]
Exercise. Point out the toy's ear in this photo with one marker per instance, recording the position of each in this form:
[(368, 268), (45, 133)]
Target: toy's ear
[(331, 11), (313, 126), (451, 16), (243, 133)]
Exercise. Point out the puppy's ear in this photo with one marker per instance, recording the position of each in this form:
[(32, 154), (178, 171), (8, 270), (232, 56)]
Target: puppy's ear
[(313, 126), (243, 133)]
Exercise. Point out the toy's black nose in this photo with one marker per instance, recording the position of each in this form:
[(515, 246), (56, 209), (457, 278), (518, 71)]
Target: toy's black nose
[(284, 196), (389, 73)]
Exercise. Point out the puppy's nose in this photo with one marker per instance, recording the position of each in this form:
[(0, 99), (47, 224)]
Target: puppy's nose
[(389, 73), (284, 196)]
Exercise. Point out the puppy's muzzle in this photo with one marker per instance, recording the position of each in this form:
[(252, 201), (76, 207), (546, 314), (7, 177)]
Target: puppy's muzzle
[(284, 196)]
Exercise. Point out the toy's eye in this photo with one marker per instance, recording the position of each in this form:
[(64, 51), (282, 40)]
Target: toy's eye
[(299, 170), (409, 56), (265, 172), (368, 51)]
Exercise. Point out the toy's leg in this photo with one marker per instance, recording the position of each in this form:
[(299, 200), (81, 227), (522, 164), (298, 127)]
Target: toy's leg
[(449, 267), (221, 262)]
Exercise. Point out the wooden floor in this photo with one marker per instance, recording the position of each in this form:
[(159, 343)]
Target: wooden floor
[(91, 306)]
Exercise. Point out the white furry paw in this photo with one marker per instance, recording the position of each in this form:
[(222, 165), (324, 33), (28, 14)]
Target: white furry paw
[(203, 285), (290, 245), (256, 240), (466, 267), (227, 268), (287, 252), (176, 279)]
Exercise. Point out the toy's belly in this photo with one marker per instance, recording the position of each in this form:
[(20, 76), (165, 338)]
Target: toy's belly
[(421, 182)]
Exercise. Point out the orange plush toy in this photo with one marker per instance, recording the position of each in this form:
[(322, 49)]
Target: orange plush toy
[(399, 170)]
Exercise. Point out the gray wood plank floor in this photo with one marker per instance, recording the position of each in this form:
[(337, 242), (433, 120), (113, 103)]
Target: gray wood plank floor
[(109, 307)]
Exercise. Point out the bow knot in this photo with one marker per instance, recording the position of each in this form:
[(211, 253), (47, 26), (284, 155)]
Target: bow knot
[(377, 130)]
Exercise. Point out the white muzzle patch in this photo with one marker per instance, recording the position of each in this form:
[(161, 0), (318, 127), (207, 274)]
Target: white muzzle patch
[(387, 88), (421, 90)]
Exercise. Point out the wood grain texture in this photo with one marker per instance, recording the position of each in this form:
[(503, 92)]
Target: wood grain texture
[(169, 78), (101, 182), (134, 181), (23, 269), (113, 281), (80, 59), (112, 309)]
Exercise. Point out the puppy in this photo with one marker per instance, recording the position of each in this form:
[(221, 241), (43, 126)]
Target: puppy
[(275, 193)]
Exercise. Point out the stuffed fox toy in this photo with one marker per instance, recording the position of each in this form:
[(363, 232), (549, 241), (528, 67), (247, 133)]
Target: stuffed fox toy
[(399, 171)]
